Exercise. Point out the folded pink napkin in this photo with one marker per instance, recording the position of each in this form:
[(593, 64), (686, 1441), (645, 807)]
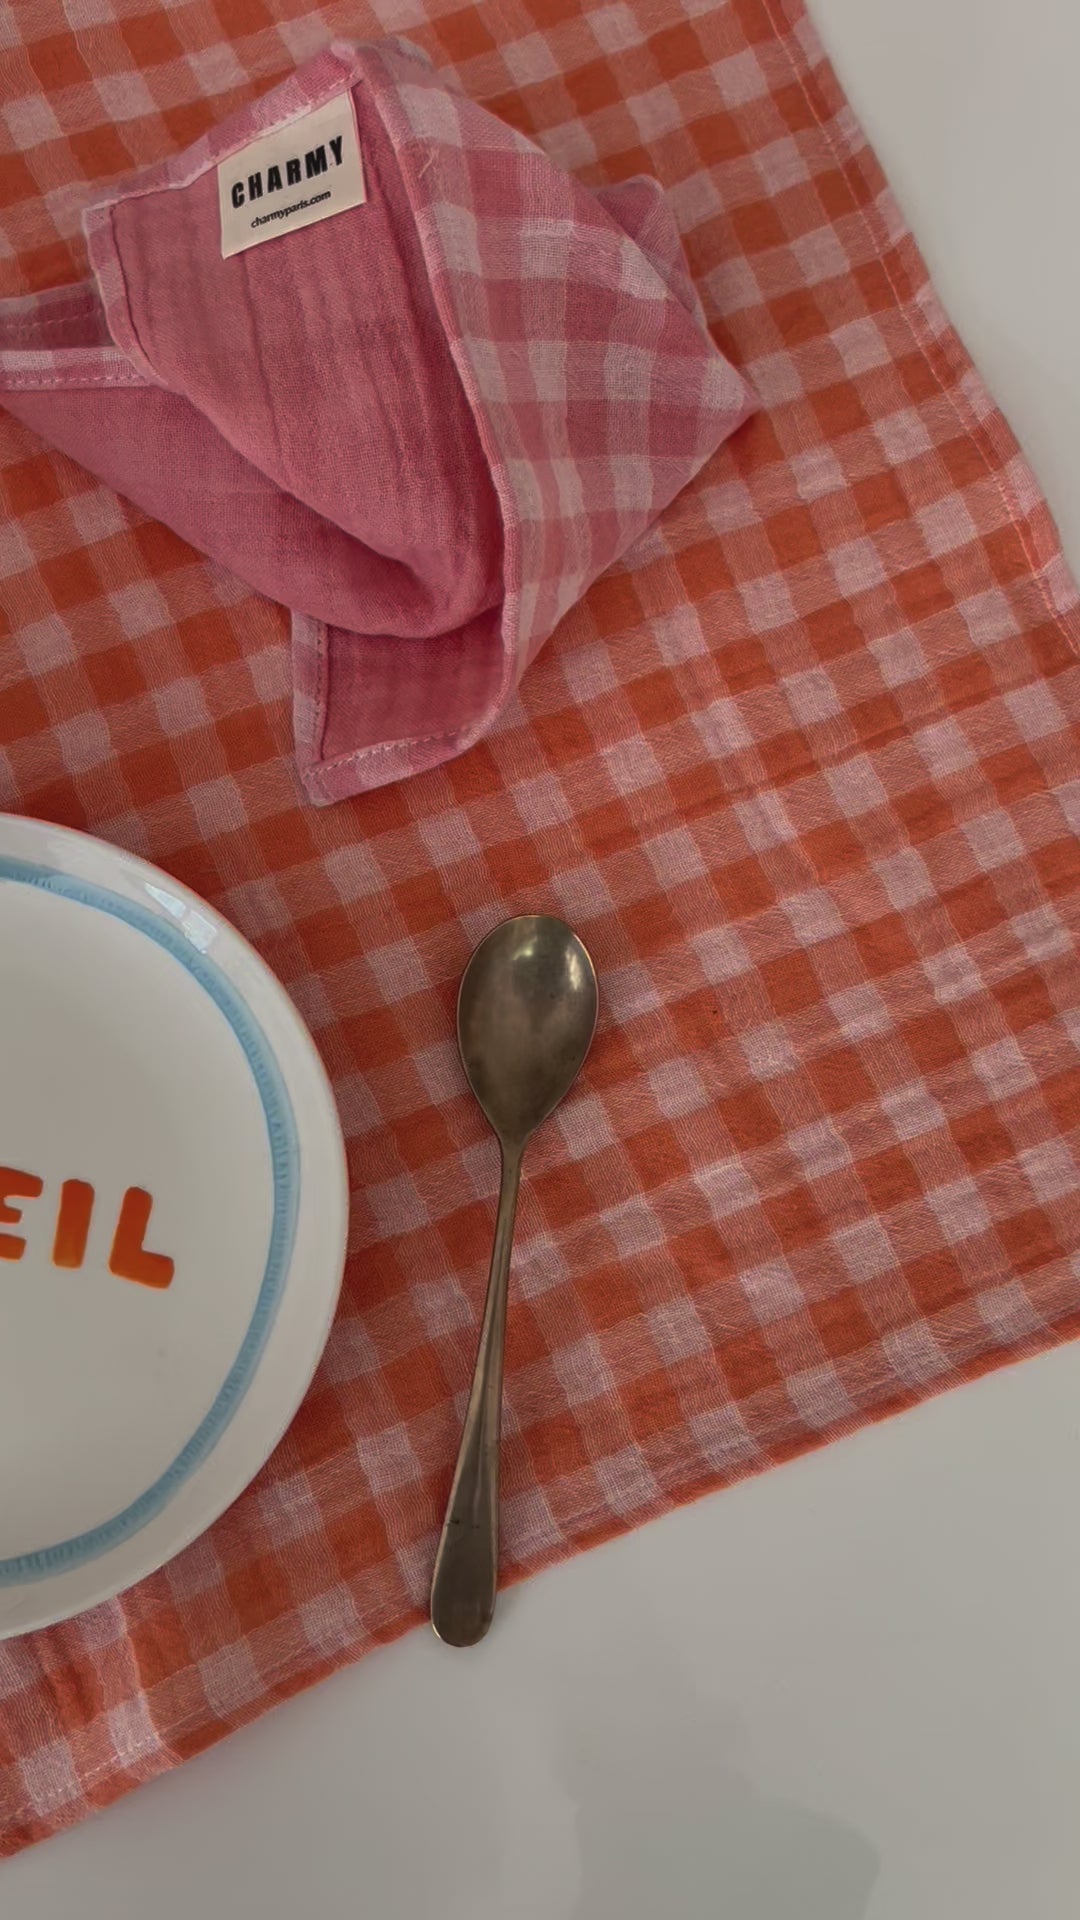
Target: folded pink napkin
[(425, 423)]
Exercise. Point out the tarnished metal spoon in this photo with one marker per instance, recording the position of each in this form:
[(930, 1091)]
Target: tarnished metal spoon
[(526, 1015)]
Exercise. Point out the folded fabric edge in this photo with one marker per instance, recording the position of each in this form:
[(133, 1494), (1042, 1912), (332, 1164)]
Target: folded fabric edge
[(378, 764)]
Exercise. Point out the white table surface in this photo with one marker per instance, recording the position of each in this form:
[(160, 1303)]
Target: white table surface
[(851, 1688)]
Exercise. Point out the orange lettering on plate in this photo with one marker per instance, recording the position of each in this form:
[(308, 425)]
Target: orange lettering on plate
[(15, 1185), (129, 1259), (73, 1223)]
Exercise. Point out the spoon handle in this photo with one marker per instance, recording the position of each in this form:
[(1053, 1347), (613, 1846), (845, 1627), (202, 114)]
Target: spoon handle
[(467, 1562)]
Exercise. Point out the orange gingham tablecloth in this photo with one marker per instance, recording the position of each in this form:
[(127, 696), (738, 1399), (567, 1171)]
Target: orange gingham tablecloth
[(803, 773)]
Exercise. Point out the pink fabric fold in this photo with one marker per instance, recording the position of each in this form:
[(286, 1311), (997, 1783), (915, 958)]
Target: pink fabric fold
[(425, 425)]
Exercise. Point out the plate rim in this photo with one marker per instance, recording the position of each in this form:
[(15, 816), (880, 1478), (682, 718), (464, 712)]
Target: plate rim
[(122, 1563)]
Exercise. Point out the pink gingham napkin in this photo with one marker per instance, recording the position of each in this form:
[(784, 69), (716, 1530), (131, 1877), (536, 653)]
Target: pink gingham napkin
[(425, 424)]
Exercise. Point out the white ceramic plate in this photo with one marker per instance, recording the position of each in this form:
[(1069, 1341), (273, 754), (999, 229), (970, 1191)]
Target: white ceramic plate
[(173, 1206)]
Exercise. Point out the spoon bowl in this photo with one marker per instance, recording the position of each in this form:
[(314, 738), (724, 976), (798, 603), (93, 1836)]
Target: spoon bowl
[(526, 1017)]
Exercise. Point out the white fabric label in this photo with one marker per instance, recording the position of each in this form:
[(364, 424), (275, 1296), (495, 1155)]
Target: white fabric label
[(292, 177)]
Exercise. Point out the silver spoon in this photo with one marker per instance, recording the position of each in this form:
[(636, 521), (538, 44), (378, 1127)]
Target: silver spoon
[(526, 1015)]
